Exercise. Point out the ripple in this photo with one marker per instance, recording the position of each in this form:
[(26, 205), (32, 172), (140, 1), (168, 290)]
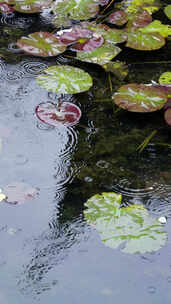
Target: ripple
[(33, 67), (64, 173), (12, 47), (67, 139), (14, 75), (2, 68), (160, 205), (20, 22)]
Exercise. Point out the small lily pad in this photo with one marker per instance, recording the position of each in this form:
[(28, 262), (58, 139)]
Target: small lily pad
[(144, 41), (102, 55), (167, 11), (31, 6), (41, 44), (66, 113), (141, 19), (6, 8), (19, 193), (118, 17), (165, 78), (65, 79), (118, 68), (136, 97), (132, 227)]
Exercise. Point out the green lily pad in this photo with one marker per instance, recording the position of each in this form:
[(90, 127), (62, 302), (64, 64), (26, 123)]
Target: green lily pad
[(165, 78), (157, 27), (118, 68), (133, 6), (167, 11), (7, 1), (31, 6), (42, 44), (132, 227), (65, 79), (102, 55), (144, 41), (136, 97)]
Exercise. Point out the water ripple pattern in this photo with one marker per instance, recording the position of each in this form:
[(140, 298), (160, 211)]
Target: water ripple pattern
[(33, 67), (2, 68), (14, 75)]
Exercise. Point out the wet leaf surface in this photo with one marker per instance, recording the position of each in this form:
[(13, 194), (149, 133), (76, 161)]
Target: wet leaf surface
[(140, 98), (118, 17), (157, 27), (31, 6), (118, 68), (167, 11), (130, 227), (41, 44), (20, 193), (144, 41), (67, 114), (65, 79)]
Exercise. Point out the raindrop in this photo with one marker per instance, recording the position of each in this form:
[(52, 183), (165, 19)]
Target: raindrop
[(151, 289)]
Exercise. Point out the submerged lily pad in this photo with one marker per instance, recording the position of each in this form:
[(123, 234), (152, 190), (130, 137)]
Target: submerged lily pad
[(136, 97), (118, 68), (19, 193), (144, 41), (132, 227), (65, 79), (42, 44), (167, 11), (66, 113), (102, 55)]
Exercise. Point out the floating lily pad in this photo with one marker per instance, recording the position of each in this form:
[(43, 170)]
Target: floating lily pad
[(132, 227), (141, 19), (118, 68), (167, 11), (136, 97), (7, 1), (165, 78), (65, 79), (118, 17), (167, 115), (6, 8), (42, 44), (102, 55), (144, 41), (31, 6), (133, 6), (19, 193), (67, 114), (157, 27)]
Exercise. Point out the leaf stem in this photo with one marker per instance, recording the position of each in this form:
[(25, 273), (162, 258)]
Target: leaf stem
[(143, 145)]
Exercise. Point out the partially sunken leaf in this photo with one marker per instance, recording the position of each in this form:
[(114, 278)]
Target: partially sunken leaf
[(132, 227), (144, 41), (42, 44), (167, 11), (118, 17), (65, 79), (31, 6), (118, 68), (136, 97), (66, 113), (19, 193), (101, 55), (157, 27)]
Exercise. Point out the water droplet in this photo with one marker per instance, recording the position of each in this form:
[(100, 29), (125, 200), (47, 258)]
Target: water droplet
[(162, 219), (88, 179), (151, 289)]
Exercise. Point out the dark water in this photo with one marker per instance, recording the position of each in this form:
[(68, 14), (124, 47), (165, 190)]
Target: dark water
[(48, 254)]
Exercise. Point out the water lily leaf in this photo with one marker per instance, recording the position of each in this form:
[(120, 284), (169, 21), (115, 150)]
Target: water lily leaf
[(132, 227), (6, 8), (81, 39), (102, 55), (118, 68), (144, 41), (77, 9), (42, 44), (61, 21), (66, 113), (118, 17), (136, 97), (31, 6), (167, 115), (140, 19), (65, 79), (157, 27), (167, 11), (165, 78), (133, 6), (19, 193)]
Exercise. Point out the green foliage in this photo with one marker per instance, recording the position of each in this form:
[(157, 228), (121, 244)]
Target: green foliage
[(167, 11), (165, 78), (157, 27), (132, 227)]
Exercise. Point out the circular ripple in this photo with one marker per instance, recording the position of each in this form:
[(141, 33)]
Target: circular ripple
[(12, 47), (21, 22), (44, 127), (2, 68), (33, 68), (67, 139), (14, 75), (160, 205)]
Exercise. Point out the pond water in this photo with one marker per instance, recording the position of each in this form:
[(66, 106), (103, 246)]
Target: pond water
[(48, 253)]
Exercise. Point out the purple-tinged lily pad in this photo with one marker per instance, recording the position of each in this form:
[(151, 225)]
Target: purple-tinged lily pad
[(136, 97), (141, 19), (6, 8), (104, 2), (31, 6), (42, 44), (20, 193), (144, 41), (67, 114), (118, 17)]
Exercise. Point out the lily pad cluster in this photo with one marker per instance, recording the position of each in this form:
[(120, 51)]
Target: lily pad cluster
[(130, 228)]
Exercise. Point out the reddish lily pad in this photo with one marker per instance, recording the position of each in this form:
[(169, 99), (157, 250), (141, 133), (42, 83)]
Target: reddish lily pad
[(42, 44), (6, 8), (144, 41), (67, 114), (31, 6), (140, 98), (118, 17), (141, 19), (19, 193)]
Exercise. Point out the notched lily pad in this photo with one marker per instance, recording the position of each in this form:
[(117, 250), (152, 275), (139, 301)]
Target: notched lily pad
[(20, 193), (66, 113), (41, 44), (136, 97), (132, 227), (65, 79)]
